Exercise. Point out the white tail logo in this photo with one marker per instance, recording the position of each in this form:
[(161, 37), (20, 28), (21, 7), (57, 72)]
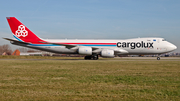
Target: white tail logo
[(21, 31)]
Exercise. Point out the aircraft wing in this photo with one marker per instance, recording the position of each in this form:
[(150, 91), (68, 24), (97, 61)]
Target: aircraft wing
[(66, 45), (69, 46)]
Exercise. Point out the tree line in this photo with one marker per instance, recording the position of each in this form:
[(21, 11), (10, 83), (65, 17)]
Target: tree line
[(5, 49)]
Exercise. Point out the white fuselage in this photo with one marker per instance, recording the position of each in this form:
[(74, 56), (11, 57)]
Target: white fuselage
[(128, 46)]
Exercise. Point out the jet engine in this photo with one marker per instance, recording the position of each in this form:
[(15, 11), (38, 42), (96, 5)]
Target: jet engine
[(107, 53), (85, 50)]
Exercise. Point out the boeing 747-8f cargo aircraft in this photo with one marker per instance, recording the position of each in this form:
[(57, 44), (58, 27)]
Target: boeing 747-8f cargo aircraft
[(91, 48)]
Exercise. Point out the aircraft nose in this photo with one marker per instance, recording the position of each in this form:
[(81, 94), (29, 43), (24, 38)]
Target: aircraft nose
[(172, 47)]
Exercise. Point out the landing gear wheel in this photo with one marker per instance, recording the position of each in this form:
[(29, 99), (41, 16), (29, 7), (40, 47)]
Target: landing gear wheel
[(95, 57), (88, 57), (158, 58)]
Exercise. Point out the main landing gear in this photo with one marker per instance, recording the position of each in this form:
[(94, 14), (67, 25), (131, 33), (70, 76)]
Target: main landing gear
[(93, 57)]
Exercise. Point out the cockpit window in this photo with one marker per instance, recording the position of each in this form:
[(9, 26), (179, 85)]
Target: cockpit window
[(163, 40)]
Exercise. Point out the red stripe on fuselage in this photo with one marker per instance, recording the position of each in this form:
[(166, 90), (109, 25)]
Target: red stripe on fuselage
[(91, 43), (76, 43)]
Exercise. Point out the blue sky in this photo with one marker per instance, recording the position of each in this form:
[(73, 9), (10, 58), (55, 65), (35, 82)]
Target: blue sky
[(94, 19)]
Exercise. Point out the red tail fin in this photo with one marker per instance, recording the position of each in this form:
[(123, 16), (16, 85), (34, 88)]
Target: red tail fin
[(21, 32)]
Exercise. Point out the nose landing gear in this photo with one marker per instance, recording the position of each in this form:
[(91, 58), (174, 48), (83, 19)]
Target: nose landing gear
[(158, 58)]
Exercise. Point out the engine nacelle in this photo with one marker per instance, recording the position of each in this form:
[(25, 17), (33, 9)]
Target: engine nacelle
[(85, 50), (107, 53)]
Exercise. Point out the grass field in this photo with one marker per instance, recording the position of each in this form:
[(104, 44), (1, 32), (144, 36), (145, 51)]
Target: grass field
[(56, 78)]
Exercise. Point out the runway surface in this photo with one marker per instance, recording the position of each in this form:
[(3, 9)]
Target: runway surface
[(107, 59)]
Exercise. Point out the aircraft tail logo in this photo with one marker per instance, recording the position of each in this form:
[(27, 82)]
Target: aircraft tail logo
[(21, 31)]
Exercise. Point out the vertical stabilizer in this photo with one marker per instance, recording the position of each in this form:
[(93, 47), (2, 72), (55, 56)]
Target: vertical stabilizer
[(21, 32)]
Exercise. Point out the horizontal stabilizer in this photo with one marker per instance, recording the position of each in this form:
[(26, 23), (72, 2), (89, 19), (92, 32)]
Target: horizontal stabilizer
[(16, 41)]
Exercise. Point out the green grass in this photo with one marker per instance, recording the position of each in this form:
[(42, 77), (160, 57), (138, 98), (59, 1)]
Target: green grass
[(109, 79)]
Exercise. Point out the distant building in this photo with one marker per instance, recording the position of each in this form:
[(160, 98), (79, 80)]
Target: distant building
[(4, 53), (16, 52)]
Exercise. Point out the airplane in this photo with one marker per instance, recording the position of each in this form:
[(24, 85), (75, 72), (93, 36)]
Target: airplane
[(90, 47)]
